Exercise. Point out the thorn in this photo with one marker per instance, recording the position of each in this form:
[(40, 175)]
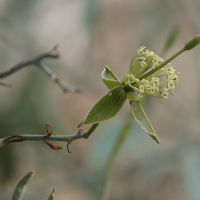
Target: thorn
[(69, 142), (80, 131), (48, 133)]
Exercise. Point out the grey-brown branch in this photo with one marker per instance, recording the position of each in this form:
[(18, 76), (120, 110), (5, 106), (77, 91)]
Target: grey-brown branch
[(63, 138), (38, 61)]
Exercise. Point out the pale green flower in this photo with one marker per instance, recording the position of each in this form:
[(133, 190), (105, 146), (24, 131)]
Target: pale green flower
[(159, 84)]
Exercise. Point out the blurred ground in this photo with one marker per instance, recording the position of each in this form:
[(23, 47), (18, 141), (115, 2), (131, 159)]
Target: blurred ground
[(93, 33)]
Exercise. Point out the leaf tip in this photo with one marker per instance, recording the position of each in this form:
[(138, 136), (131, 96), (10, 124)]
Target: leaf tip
[(155, 138)]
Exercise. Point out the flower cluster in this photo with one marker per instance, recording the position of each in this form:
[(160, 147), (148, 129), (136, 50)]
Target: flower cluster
[(145, 62), (148, 74)]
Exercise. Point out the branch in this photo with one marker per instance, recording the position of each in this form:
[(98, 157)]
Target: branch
[(63, 138), (37, 61), (32, 61), (53, 76)]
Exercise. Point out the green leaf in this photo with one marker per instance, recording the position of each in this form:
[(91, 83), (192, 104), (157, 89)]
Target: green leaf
[(109, 78), (142, 120), (20, 188), (133, 97), (107, 107)]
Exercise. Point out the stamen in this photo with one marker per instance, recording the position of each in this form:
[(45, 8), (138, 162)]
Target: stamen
[(151, 84)]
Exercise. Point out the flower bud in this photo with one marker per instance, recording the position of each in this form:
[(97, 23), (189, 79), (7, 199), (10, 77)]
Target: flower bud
[(192, 43)]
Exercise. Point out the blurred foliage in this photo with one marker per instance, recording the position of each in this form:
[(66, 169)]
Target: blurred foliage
[(21, 186)]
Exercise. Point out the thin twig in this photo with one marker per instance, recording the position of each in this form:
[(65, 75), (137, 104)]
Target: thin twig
[(63, 138), (32, 61), (37, 61), (53, 76)]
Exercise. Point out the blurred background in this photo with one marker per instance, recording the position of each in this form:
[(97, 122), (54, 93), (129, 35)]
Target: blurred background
[(90, 34)]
